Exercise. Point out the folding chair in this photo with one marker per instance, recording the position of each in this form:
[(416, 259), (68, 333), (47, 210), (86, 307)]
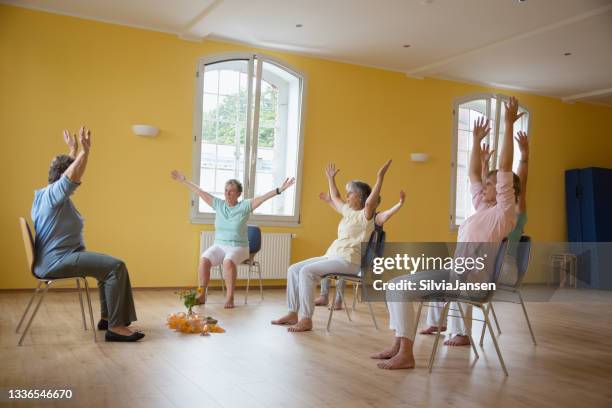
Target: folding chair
[(482, 302), (254, 234), (28, 242), (523, 255), (375, 247)]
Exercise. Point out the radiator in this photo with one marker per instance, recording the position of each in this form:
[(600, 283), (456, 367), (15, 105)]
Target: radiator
[(273, 257)]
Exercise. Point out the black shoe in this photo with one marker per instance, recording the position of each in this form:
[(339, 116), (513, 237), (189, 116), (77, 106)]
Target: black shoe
[(103, 324), (112, 336)]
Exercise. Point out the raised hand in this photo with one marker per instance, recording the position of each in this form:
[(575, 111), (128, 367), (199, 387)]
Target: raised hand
[(71, 141), (512, 107), (523, 143), (402, 197), (85, 139), (331, 171), (481, 129), (325, 197), (383, 170), (289, 181), (486, 153), (178, 176)]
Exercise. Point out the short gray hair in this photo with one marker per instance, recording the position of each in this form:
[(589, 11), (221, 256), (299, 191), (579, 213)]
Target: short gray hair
[(361, 188), (235, 183)]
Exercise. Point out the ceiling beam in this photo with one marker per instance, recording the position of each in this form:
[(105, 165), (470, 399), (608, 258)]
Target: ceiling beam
[(185, 33), (587, 95), (429, 68)]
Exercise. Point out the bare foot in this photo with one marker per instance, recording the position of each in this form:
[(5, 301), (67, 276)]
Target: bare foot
[(321, 301), (201, 299), (432, 330), (229, 303), (305, 324), (338, 305), (458, 340), (397, 362), (384, 355), (289, 318)]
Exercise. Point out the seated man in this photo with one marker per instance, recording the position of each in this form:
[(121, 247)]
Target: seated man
[(59, 249)]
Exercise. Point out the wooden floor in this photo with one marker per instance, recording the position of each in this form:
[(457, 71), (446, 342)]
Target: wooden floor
[(255, 364)]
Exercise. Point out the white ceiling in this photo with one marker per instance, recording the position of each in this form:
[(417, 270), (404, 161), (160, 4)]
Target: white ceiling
[(505, 43)]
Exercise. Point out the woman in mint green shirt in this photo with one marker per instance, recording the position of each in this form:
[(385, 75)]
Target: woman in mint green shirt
[(231, 246)]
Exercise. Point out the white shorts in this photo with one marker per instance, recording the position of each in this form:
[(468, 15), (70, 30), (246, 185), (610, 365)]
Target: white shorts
[(216, 254)]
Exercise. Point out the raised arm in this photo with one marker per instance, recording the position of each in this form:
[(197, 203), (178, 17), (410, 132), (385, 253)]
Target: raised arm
[(327, 199), (334, 194), (76, 170), (180, 177), (485, 156), (523, 169), (507, 149), (372, 200), (257, 201), (384, 216), (72, 143), (481, 130)]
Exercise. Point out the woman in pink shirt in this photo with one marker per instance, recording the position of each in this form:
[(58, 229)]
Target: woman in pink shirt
[(494, 219)]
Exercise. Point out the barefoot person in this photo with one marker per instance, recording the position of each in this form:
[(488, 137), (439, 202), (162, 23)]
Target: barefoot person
[(379, 220), (509, 273), (231, 246), (60, 248), (344, 254), (494, 219)]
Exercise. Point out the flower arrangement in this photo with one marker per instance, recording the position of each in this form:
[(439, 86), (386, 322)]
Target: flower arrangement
[(192, 322), (189, 298)]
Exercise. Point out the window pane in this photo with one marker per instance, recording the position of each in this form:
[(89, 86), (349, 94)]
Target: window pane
[(223, 126), (278, 137)]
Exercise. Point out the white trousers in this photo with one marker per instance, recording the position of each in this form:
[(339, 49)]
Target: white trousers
[(455, 324), (303, 277)]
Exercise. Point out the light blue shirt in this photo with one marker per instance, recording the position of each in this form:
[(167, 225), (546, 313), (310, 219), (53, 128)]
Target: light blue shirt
[(231, 222), (515, 236), (58, 225)]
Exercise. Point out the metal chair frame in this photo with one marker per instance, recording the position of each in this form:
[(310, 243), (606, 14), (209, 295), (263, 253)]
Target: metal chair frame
[(28, 241)]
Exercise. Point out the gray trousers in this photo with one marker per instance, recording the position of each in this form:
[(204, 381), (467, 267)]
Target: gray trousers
[(115, 291)]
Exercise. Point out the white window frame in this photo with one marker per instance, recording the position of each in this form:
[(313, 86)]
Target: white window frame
[(500, 98), (253, 103)]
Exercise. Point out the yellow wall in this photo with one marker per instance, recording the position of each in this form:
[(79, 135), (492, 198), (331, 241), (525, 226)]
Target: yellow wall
[(58, 72)]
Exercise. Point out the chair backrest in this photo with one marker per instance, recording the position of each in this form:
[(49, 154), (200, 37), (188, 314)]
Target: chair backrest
[(375, 247), (499, 260), (523, 253), (28, 242), (254, 234)]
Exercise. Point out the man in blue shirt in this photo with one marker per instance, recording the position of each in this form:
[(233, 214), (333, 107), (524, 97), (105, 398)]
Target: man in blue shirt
[(59, 249)]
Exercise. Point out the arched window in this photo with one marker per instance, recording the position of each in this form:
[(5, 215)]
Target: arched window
[(465, 111), (248, 126)]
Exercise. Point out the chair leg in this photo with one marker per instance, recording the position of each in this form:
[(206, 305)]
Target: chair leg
[(435, 346), (373, 315), (355, 293), (495, 318), (78, 284), (220, 269), (527, 318), (91, 316), (42, 297), (499, 355), (329, 319), (469, 332), (418, 317), (484, 328), (246, 295), (260, 281), (28, 307), (339, 292)]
